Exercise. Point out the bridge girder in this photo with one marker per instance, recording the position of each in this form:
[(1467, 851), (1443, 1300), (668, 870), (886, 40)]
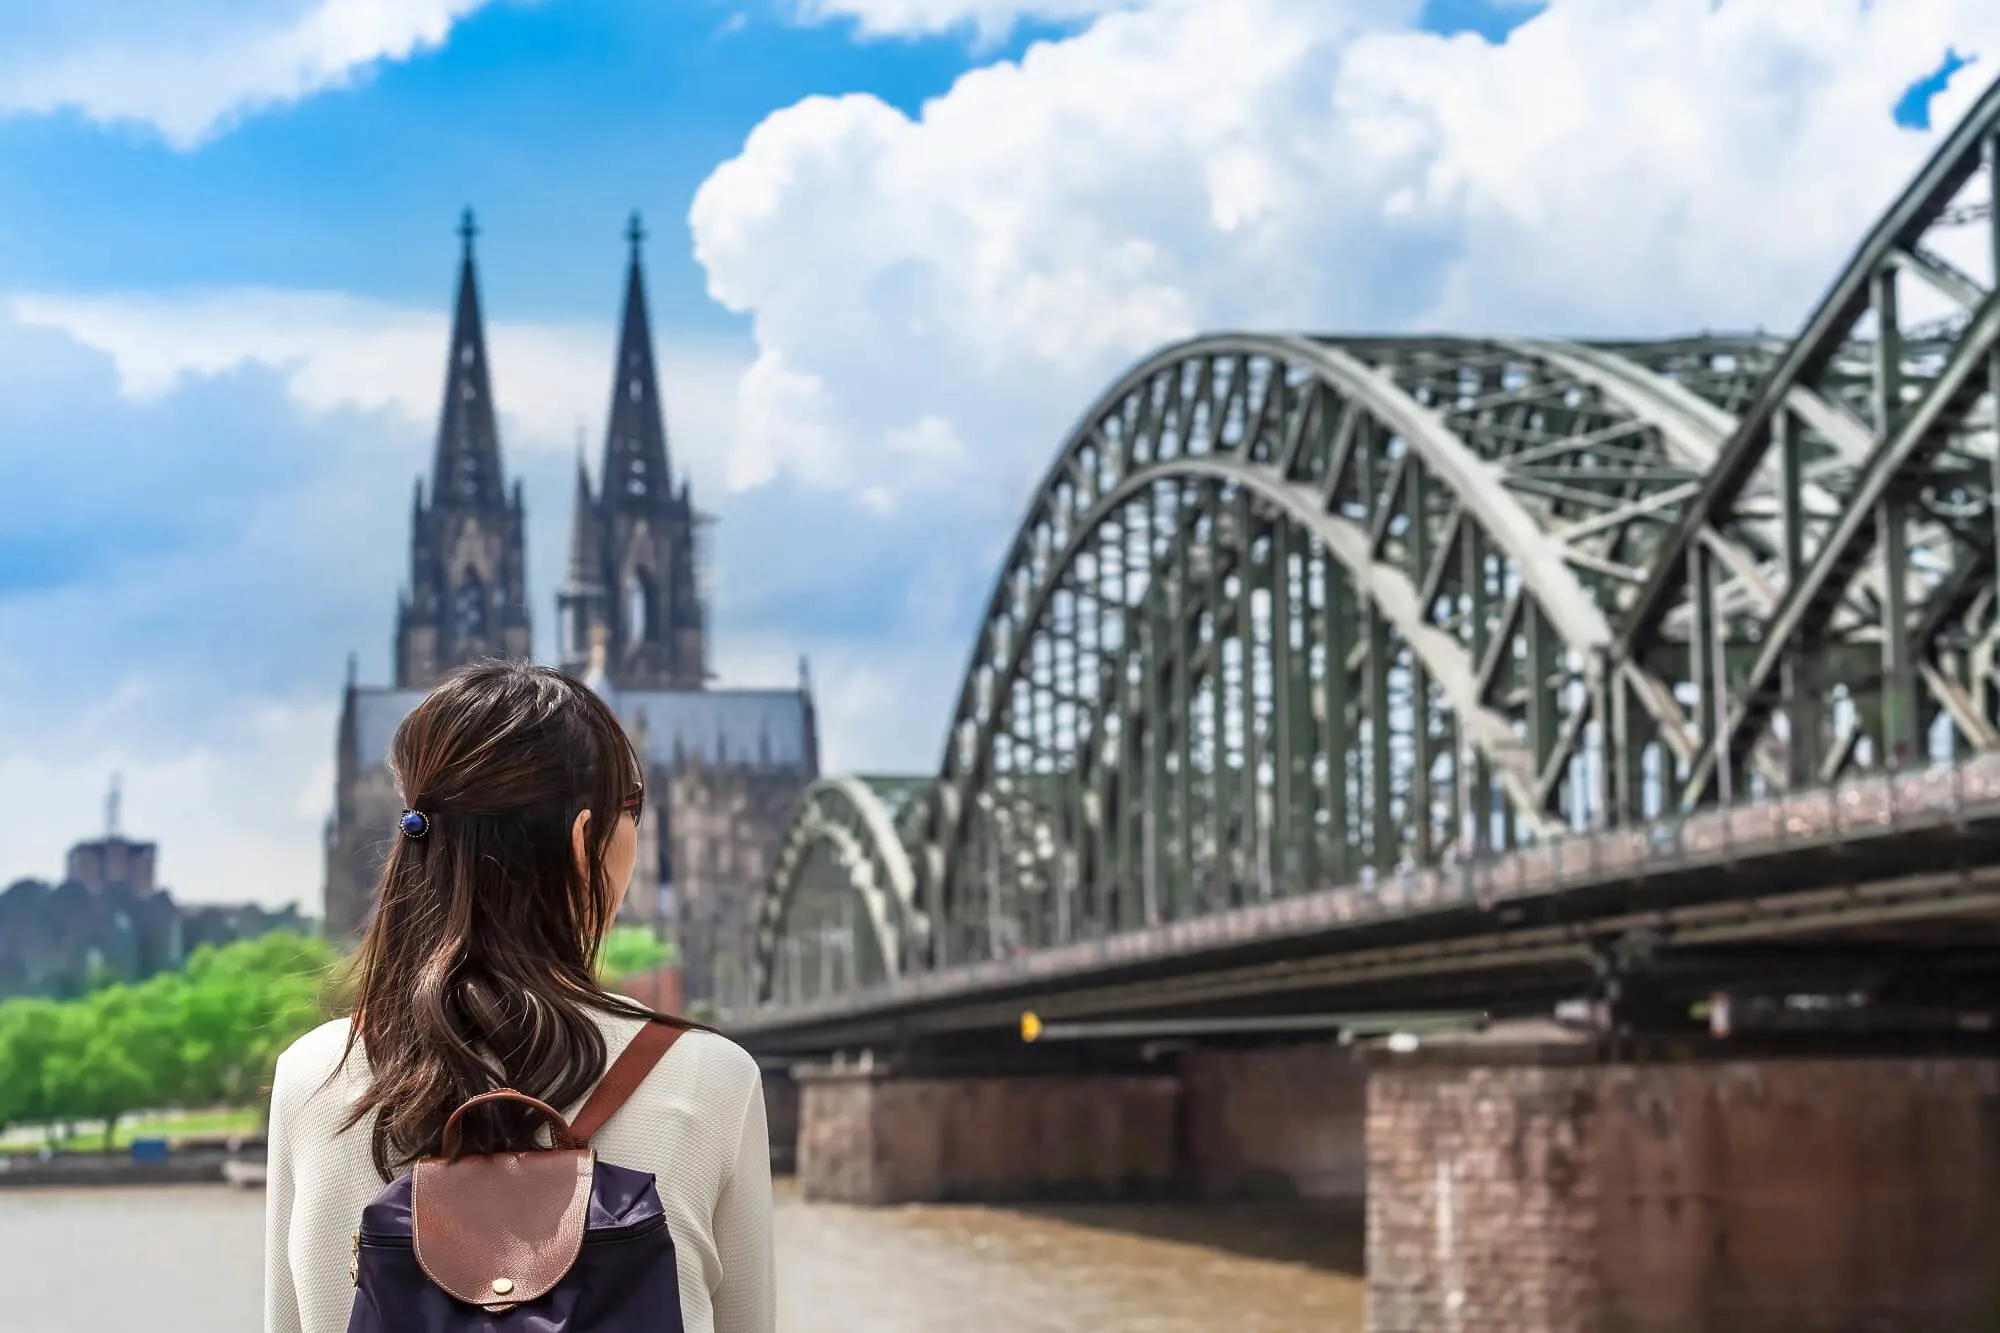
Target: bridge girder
[(1445, 520), (840, 909), (1877, 424), (1289, 611)]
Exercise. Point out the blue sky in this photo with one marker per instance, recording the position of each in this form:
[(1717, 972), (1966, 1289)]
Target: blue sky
[(226, 249)]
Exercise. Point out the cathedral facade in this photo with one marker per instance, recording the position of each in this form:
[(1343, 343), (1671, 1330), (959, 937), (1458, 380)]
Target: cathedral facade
[(724, 765)]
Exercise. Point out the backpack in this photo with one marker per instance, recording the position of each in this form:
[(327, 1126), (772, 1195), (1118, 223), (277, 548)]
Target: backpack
[(551, 1240)]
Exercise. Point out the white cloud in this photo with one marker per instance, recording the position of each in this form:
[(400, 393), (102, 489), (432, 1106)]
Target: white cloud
[(336, 352), (212, 490), (877, 711), (992, 264), (189, 70), (988, 18), (237, 814), (280, 432)]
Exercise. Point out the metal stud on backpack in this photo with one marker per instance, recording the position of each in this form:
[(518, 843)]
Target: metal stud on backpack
[(553, 1241)]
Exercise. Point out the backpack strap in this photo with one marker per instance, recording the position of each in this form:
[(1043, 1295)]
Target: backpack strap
[(624, 1076)]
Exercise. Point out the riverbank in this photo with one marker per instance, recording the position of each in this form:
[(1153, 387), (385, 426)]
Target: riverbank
[(239, 1163), (173, 1126)]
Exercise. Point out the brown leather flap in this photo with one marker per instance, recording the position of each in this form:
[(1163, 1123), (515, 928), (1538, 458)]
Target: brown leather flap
[(502, 1230)]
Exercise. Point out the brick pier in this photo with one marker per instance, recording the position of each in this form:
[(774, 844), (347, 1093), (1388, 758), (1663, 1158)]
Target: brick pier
[(875, 1136), (781, 1116), (1539, 1191), (1275, 1122), (1511, 1185)]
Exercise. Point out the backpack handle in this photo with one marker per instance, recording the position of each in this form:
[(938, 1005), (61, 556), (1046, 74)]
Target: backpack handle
[(559, 1130)]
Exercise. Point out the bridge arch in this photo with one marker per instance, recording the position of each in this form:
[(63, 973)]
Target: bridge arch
[(1443, 538), (1891, 384), (1290, 610), (840, 908)]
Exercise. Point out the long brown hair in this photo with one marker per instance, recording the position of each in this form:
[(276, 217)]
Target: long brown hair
[(478, 968)]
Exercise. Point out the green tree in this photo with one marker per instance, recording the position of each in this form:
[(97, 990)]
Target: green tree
[(630, 950), (207, 1035), (29, 1035), (242, 1006), (118, 1051)]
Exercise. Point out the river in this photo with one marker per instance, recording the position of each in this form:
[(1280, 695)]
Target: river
[(190, 1261)]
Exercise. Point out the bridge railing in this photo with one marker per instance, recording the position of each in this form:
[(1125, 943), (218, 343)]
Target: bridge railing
[(1863, 807)]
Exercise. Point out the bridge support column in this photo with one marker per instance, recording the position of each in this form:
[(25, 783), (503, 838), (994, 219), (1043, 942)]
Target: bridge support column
[(1276, 1122), (781, 1115), (1540, 1191), (874, 1136)]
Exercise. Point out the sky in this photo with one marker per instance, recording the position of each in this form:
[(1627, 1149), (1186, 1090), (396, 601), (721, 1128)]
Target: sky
[(896, 248)]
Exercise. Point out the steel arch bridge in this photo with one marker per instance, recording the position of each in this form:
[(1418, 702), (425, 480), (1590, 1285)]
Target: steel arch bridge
[(1290, 611)]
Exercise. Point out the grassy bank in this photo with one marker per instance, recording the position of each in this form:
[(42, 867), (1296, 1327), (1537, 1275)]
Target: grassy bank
[(168, 1125)]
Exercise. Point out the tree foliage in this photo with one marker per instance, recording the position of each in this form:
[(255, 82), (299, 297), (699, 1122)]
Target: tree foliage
[(208, 1035), (630, 950)]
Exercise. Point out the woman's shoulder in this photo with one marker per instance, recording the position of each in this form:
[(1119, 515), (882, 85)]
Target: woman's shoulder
[(717, 1058), (314, 1058), (700, 1059)]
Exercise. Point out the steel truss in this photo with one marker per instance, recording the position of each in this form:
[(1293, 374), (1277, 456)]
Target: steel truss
[(1291, 611), (847, 914)]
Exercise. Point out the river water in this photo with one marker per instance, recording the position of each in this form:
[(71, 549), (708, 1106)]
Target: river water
[(191, 1261)]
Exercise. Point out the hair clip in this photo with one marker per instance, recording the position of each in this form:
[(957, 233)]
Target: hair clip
[(415, 823)]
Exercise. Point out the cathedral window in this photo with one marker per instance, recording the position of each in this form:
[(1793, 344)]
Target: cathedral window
[(639, 616), (469, 607)]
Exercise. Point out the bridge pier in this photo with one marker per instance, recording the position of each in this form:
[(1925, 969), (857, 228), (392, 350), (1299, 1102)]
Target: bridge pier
[(781, 1115), (873, 1135), (1275, 1122), (1537, 1189)]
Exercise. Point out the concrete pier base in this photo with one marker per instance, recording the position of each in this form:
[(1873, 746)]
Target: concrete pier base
[(873, 1136), (1536, 1192)]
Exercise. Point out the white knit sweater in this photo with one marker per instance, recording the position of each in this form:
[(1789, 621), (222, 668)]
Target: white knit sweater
[(696, 1123)]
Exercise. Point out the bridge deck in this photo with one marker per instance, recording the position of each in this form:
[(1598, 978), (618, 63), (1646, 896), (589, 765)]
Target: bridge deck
[(1881, 861)]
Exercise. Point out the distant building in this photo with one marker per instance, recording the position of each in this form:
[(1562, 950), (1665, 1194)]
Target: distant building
[(109, 918), (724, 765), (113, 859)]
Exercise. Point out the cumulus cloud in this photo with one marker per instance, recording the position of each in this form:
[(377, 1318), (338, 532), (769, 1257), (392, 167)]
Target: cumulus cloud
[(979, 271), (336, 352), (236, 812), (204, 508), (180, 579), (990, 19), (190, 69)]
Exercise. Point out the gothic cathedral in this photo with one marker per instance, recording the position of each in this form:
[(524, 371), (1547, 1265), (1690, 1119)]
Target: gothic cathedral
[(631, 581), (724, 765), (468, 596)]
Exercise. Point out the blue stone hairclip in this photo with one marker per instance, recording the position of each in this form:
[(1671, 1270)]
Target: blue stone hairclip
[(415, 823)]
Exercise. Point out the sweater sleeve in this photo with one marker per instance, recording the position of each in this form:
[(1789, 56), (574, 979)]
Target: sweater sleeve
[(747, 1299), (281, 1303)]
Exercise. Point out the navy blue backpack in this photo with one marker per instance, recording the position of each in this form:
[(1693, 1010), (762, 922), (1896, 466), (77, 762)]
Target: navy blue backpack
[(549, 1241)]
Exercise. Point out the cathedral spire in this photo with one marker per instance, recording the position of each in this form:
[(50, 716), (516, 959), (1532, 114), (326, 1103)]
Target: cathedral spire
[(637, 473), (584, 555), (580, 600), (467, 468), (467, 595)]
